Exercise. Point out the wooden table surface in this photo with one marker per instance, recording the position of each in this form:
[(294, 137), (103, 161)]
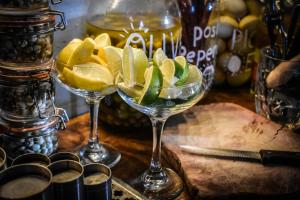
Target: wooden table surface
[(136, 146)]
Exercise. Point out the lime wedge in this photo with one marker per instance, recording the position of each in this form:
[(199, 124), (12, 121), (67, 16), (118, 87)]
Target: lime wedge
[(113, 56), (102, 40), (194, 76), (82, 53), (128, 66), (159, 56), (182, 70), (168, 70), (152, 86), (130, 91)]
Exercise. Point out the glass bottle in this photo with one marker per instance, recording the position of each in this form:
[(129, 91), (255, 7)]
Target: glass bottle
[(199, 43), (146, 24)]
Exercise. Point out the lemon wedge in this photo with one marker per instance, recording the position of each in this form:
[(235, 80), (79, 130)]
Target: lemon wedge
[(113, 56), (102, 40), (82, 53)]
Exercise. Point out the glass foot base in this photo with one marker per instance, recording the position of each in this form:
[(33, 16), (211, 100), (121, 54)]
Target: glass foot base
[(100, 153), (169, 188)]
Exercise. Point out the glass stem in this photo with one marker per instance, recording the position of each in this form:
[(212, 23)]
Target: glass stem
[(157, 126), (94, 110)]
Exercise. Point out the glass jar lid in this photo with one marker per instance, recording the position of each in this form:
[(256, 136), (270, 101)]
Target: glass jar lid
[(27, 23)]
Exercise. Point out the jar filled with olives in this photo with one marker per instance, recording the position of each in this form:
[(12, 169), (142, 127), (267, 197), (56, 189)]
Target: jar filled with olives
[(33, 138), (241, 34), (27, 37), (26, 4), (26, 98)]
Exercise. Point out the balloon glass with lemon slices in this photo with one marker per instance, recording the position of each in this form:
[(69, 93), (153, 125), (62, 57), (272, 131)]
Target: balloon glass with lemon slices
[(83, 68), (160, 88)]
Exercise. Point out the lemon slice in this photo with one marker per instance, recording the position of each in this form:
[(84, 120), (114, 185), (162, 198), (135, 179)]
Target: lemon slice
[(102, 40), (65, 54), (182, 70), (152, 86), (113, 56), (133, 92), (82, 53), (98, 60), (159, 56), (128, 66), (89, 76), (67, 76)]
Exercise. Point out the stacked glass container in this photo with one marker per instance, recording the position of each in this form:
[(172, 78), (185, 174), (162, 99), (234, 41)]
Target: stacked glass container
[(29, 120)]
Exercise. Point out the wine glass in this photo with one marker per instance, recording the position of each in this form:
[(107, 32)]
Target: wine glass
[(159, 182), (94, 151)]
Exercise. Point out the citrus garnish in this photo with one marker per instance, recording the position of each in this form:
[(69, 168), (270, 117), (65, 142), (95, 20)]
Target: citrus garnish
[(169, 91), (89, 76), (194, 76), (128, 66), (168, 70), (140, 65), (102, 40), (134, 65), (133, 92), (182, 70), (113, 56), (159, 56), (82, 53), (98, 60), (152, 86), (65, 54), (68, 77)]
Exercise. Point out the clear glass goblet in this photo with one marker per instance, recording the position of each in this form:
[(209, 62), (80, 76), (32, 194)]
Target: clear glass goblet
[(94, 151), (159, 182)]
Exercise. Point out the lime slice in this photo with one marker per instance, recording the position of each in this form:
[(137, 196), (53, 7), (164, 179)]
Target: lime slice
[(128, 66), (113, 56), (133, 92), (65, 54), (182, 70), (159, 56), (194, 76), (140, 65), (168, 70), (82, 53), (102, 40), (152, 86)]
